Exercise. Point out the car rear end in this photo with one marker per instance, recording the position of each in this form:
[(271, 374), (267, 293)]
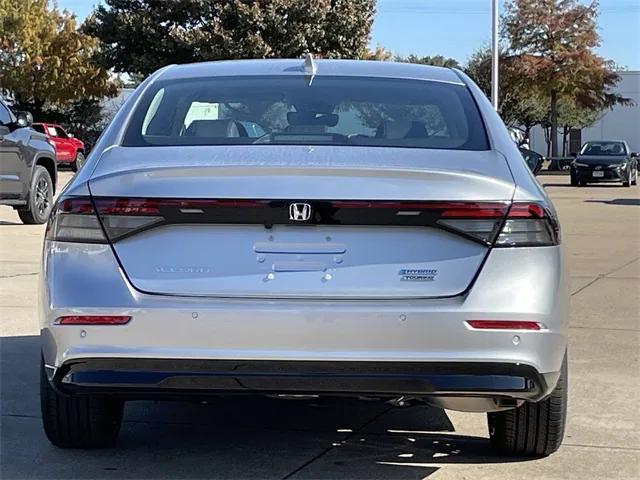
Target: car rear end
[(364, 247)]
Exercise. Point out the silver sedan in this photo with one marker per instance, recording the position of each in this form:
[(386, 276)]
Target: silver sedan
[(301, 227)]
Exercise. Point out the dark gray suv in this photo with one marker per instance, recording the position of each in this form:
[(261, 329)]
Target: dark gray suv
[(27, 167)]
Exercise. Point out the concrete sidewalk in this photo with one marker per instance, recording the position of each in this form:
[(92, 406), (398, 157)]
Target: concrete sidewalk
[(239, 437)]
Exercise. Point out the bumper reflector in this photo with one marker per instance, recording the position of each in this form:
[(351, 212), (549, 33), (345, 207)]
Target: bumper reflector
[(504, 325), (93, 320)]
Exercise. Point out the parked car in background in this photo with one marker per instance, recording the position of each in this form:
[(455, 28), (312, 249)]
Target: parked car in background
[(371, 242), (605, 161), (27, 167), (519, 137), (69, 150), (534, 159)]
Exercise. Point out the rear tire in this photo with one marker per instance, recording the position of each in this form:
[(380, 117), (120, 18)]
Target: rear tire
[(574, 180), (79, 421), (78, 162), (40, 197), (535, 429)]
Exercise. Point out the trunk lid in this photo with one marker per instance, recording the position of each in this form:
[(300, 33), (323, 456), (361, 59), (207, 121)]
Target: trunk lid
[(226, 228)]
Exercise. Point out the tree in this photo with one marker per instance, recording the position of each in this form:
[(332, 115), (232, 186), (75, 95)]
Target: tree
[(44, 60), (572, 116), (380, 54), (140, 36), (551, 44), (436, 60), (520, 104)]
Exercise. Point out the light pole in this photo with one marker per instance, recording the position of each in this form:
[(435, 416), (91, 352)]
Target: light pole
[(494, 53)]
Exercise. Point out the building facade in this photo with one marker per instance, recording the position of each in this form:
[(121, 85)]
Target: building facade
[(619, 123)]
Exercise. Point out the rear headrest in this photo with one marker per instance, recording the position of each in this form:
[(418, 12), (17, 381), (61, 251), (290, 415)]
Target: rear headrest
[(213, 128), (401, 129)]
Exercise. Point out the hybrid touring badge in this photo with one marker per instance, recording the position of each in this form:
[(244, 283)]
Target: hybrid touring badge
[(418, 274)]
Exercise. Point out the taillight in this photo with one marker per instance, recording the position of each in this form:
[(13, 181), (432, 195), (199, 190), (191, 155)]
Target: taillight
[(74, 220), (481, 221), (122, 216), (529, 225)]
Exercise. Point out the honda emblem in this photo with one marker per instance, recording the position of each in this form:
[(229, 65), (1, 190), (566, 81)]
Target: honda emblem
[(300, 212)]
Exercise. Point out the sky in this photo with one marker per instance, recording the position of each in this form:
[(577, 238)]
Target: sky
[(456, 28)]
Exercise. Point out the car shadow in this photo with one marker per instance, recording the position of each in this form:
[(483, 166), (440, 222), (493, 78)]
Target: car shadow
[(233, 436), (618, 201)]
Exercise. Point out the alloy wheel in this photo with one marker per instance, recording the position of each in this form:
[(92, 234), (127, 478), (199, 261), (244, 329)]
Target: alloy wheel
[(42, 200)]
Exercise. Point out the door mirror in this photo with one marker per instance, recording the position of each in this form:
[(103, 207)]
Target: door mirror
[(24, 119), (535, 164), (533, 159), (635, 154)]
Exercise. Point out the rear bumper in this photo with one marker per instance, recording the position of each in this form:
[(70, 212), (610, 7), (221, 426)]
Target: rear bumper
[(430, 337), (144, 378)]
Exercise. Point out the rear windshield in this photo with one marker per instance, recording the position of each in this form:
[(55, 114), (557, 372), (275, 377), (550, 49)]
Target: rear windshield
[(604, 148), (287, 110)]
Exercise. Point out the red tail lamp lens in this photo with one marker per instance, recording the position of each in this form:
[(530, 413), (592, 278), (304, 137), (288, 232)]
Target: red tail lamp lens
[(503, 325), (76, 205), (443, 209), (93, 320), (527, 210), (128, 206)]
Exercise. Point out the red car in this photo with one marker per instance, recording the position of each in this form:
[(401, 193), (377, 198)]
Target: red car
[(69, 150)]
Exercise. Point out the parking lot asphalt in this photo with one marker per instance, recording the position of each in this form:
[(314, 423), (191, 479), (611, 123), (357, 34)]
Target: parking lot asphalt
[(267, 438)]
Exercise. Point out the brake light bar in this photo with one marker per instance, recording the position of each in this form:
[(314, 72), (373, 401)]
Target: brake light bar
[(504, 325), (146, 206), (479, 221), (93, 320), (153, 206), (122, 217), (444, 209), (492, 223)]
